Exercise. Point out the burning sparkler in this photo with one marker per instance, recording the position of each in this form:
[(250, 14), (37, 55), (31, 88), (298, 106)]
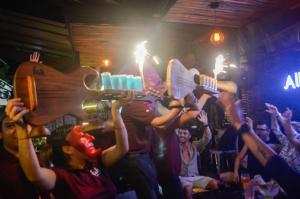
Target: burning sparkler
[(220, 64), (140, 55)]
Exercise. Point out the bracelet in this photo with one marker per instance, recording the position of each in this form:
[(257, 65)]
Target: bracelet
[(206, 125), (243, 129)]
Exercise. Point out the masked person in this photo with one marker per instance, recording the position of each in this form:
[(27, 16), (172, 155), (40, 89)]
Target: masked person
[(80, 167)]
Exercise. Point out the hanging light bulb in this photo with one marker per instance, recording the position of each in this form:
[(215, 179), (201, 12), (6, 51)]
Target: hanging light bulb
[(217, 38)]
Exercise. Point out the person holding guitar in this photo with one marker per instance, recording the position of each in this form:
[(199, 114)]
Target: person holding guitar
[(81, 172)]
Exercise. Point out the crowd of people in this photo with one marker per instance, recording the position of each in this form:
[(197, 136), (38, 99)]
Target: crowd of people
[(154, 152)]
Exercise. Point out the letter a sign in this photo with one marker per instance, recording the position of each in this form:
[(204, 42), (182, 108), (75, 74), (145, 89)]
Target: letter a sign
[(292, 83)]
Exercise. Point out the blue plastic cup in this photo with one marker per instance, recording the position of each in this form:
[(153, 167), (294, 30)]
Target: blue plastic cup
[(137, 83), (105, 81), (114, 81), (129, 82), (123, 82)]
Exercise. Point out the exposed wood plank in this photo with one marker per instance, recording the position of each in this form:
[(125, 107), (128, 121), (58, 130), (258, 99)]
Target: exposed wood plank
[(230, 13)]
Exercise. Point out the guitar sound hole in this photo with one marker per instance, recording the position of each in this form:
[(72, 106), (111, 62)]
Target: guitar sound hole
[(91, 81)]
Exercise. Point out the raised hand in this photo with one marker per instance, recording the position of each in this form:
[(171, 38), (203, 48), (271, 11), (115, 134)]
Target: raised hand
[(249, 121), (154, 92), (202, 117), (34, 57), (288, 114), (272, 109), (15, 110), (116, 105)]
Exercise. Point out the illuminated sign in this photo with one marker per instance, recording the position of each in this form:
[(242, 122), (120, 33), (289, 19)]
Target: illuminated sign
[(292, 83)]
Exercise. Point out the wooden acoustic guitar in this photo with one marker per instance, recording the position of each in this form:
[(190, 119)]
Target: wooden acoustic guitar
[(181, 81), (50, 94)]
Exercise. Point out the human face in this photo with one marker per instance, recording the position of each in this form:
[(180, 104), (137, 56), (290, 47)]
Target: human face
[(9, 134), (82, 142), (184, 135), (263, 132)]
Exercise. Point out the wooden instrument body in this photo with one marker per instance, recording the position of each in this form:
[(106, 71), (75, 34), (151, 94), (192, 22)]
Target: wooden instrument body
[(50, 94), (181, 81)]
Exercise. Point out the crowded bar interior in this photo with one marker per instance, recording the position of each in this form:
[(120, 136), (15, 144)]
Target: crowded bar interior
[(150, 99)]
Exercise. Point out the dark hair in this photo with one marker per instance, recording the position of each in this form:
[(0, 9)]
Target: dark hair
[(57, 140), (184, 128)]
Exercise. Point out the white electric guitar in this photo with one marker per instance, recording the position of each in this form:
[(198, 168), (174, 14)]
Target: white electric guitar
[(181, 81)]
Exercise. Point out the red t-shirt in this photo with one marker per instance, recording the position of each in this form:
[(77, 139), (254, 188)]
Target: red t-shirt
[(93, 184), (13, 182), (136, 116)]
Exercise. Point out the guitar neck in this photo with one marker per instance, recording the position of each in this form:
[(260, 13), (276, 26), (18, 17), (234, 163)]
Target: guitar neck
[(117, 94)]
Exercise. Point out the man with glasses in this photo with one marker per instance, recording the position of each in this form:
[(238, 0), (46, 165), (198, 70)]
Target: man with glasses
[(253, 166)]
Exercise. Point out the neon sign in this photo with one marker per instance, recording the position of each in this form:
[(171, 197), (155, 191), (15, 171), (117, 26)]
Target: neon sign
[(293, 83)]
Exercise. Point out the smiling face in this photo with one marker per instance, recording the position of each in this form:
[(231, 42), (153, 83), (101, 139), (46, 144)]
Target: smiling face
[(82, 142), (9, 135), (184, 135)]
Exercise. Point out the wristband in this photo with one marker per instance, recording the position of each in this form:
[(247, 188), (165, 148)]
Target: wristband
[(206, 125), (243, 129)]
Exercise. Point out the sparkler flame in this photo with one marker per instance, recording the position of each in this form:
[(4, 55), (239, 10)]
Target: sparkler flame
[(220, 64), (140, 54)]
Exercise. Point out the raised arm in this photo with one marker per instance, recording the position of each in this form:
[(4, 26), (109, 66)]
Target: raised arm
[(273, 111), (196, 105), (274, 165), (259, 149), (237, 162), (163, 120), (200, 144), (42, 177), (290, 131), (114, 153)]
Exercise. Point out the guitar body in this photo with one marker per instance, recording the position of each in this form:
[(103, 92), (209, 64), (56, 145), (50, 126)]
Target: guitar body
[(181, 81), (50, 94)]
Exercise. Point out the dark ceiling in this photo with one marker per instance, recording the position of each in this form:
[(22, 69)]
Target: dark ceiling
[(109, 28), (91, 11)]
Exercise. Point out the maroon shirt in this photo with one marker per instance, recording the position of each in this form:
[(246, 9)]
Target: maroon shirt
[(13, 182), (166, 150), (136, 116), (83, 184)]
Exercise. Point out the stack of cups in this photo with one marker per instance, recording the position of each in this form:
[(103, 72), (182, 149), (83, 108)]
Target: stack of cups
[(105, 81), (121, 82), (208, 82)]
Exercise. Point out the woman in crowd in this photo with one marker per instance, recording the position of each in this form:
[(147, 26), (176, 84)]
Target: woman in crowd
[(80, 167)]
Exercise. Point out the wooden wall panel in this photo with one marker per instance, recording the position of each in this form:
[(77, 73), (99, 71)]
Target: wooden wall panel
[(230, 13)]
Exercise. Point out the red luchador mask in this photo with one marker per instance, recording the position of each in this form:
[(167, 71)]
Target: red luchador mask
[(83, 142)]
